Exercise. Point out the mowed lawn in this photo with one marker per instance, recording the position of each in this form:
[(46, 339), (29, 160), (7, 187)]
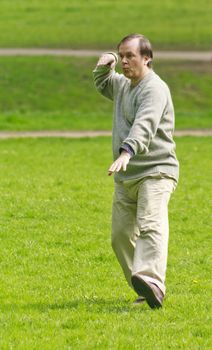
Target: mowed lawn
[(99, 24), (61, 286), (41, 93)]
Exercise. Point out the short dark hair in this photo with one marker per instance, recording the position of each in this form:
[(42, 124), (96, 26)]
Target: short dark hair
[(145, 46)]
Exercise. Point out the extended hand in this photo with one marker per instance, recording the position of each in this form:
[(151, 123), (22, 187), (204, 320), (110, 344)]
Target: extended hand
[(120, 162), (107, 59)]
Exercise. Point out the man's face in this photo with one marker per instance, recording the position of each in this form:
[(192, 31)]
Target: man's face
[(132, 63)]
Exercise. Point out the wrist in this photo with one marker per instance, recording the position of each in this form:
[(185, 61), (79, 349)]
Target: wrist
[(126, 154), (127, 148)]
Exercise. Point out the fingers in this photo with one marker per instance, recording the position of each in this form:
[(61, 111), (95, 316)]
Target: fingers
[(124, 166), (121, 162), (113, 168), (107, 59)]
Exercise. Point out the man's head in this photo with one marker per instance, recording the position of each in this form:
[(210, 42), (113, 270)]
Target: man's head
[(136, 56)]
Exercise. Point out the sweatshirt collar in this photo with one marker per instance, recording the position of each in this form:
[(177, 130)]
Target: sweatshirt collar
[(147, 77)]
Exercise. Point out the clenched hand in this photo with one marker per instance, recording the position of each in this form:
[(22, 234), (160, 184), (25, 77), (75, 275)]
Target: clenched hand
[(107, 59)]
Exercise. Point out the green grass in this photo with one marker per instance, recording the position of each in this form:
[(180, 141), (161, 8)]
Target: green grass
[(61, 286), (101, 24), (58, 93)]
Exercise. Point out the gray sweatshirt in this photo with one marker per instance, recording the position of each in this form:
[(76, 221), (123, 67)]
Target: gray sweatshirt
[(143, 119)]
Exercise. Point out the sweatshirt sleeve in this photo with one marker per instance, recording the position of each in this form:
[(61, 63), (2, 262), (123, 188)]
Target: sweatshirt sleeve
[(151, 105), (106, 80)]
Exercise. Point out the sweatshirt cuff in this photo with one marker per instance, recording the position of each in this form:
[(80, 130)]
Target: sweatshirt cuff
[(127, 148), (136, 146), (115, 55)]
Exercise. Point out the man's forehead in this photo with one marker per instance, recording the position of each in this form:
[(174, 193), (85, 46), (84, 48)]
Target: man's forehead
[(131, 45)]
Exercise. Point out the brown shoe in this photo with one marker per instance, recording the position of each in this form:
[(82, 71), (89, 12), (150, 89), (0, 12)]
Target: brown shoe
[(149, 291), (139, 300)]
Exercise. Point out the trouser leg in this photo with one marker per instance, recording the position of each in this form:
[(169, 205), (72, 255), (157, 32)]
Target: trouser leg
[(124, 229), (150, 256)]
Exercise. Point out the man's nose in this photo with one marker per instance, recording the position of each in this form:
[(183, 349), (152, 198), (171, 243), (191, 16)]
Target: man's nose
[(124, 60)]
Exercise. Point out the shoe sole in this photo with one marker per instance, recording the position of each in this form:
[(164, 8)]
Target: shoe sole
[(142, 288), (140, 301)]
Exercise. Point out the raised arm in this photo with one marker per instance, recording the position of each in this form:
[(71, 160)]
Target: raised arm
[(105, 77)]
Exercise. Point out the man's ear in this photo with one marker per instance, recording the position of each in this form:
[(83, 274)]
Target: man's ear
[(146, 60)]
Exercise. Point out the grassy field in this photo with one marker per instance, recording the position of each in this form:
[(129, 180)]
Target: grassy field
[(58, 93), (101, 24), (61, 287)]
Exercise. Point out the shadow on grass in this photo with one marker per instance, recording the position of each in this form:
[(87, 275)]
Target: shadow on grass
[(100, 305)]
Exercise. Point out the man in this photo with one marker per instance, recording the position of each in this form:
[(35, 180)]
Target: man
[(145, 166)]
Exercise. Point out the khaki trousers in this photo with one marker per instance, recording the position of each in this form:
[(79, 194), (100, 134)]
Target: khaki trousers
[(140, 227)]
